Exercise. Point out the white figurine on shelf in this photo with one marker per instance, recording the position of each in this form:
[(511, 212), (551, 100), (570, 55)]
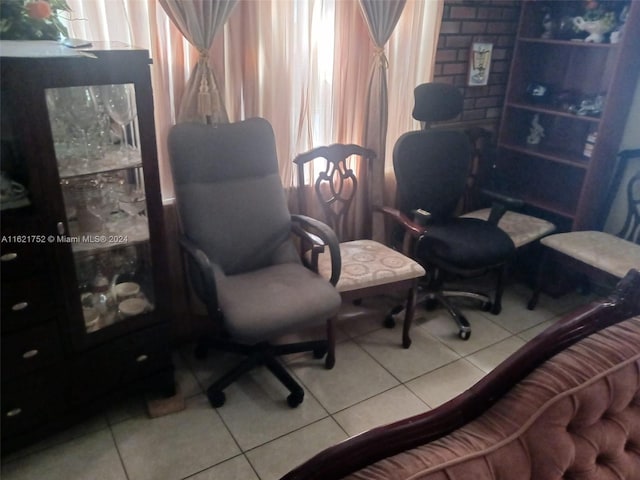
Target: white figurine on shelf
[(536, 132)]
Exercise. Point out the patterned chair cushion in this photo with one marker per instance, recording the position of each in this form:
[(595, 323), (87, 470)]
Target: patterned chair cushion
[(521, 228), (367, 263), (601, 250)]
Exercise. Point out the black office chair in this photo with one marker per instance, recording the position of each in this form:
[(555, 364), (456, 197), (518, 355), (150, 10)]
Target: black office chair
[(241, 259), (432, 167)]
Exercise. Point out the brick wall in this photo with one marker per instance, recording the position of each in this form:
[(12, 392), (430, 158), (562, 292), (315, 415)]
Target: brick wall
[(466, 21)]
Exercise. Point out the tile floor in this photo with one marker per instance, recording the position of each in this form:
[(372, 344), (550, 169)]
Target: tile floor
[(255, 435)]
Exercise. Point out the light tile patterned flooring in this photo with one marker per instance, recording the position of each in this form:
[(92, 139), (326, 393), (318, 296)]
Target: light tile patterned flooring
[(255, 435)]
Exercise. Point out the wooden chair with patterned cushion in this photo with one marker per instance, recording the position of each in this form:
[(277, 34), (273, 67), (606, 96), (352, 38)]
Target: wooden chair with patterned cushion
[(369, 268)]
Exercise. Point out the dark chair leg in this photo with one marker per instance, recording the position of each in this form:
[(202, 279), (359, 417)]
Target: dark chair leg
[(408, 315), (496, 308), (541, 274)]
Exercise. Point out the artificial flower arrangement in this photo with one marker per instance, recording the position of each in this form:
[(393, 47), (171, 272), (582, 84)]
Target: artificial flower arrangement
[(32, 19)]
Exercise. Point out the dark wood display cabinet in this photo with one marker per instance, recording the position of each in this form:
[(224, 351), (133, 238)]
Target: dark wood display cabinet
[(85, 316), (567, 101)]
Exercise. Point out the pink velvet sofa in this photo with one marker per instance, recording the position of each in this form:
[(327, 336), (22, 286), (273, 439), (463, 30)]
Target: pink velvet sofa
[(565, 406)]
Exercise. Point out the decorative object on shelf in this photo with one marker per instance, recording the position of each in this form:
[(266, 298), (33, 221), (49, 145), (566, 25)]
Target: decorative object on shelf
[(589, 144), (596, 21), (32, 20), (538, 92), (589, 105), (479, 63), (536, 132)]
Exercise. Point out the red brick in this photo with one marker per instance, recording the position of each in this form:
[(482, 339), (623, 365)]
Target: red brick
[(454, 68), (463, 12), (473, 27), (501, 27), (487, 102), (450, 27), (446, 55), (459, 40)]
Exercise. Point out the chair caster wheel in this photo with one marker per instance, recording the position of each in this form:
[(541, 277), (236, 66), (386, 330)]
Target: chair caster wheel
[(496, 309), (295, 398), (216, 398), (200, 352), (389, 321), (464, 334)]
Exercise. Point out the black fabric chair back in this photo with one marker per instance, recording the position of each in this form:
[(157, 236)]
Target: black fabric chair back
[(432, 167), (230, 197)]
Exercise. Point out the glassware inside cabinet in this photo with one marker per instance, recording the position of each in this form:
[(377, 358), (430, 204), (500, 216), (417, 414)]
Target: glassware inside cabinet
[(114, 285), (94, 128), (96, 143)]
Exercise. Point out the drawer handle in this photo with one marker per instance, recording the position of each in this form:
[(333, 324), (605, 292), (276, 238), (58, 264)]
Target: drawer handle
[(14, 412), (142, 358), (7, 257), (30, 353), (19, 306)]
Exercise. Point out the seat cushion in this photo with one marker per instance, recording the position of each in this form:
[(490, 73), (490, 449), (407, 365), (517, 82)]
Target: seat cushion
[(267, 303), (601, 250), (367, 263), (466, 243), (522, 229)]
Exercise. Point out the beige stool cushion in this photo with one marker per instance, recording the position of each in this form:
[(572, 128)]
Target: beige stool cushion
[(521, 228), (367, 263), (601, 250)]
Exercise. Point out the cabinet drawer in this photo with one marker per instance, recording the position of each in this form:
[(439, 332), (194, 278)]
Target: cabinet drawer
[(29, 401), (26, 302), (29, 350), (21, 260), (98, 371)]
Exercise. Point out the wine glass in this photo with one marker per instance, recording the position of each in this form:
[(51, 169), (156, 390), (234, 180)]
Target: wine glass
[(119, 101), (80, 111)]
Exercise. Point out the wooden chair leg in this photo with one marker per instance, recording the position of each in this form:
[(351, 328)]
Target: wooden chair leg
[(540, 276), (408, 315)]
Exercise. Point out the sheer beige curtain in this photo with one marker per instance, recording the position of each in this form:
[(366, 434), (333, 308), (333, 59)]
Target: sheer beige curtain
[(200, 21), (144, 24), (304, 65), (381, 18), (411, 52)]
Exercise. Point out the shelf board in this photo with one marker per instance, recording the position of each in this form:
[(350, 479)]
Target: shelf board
[(541, 204), (552, 111), (553, 155), (574, 43)]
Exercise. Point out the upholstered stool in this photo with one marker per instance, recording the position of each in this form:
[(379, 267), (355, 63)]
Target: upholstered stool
[(600, 250)]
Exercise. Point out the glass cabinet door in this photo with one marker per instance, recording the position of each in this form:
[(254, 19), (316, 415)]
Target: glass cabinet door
[(97, 148)]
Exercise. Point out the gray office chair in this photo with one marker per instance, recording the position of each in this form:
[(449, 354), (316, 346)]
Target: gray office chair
[(242, 262)]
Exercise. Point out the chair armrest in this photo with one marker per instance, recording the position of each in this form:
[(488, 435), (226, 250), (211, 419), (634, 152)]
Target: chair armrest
[(205, 270), (500, 204), (319, 230), (413, 230)]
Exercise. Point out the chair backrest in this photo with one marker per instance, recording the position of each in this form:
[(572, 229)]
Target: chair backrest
[(229, 193), (336, 185), (432, 166), (623, 216)]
